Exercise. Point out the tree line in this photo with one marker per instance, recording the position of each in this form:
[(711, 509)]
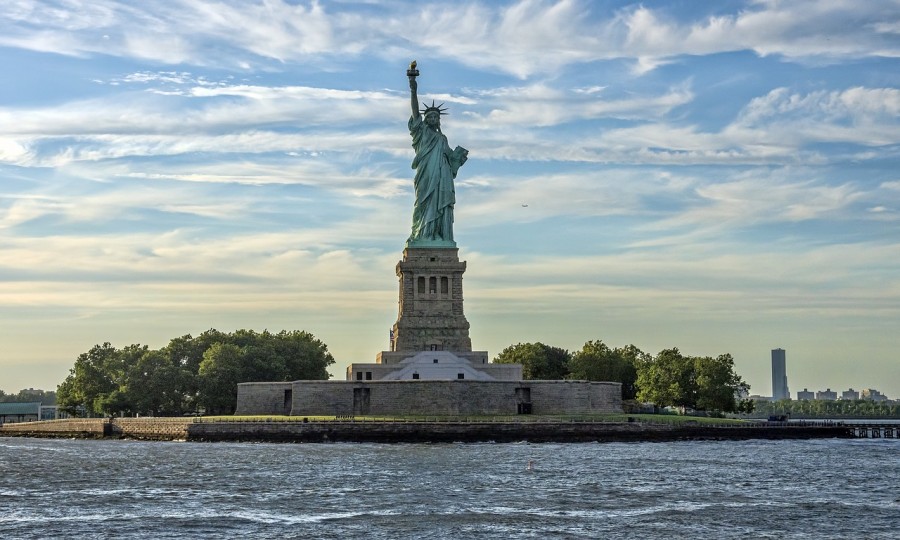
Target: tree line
[(189, 375), (844, 408), (668, 379), (29, 395), (200, 374)]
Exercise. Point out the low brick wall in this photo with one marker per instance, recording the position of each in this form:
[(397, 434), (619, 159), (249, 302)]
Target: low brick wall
[(160, 429), (71, 427), (155, 429)]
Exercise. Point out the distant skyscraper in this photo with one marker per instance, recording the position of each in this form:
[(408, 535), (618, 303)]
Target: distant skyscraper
[(779, 376)]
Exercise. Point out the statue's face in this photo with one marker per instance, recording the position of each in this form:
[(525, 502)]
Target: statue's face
[(433, 119)]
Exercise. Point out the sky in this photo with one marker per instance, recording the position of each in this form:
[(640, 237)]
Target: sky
[(720, 177)]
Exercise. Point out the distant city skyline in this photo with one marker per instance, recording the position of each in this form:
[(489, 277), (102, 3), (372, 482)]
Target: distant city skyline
[(834, 393), (848, 394), (780, 388), (720, 177)]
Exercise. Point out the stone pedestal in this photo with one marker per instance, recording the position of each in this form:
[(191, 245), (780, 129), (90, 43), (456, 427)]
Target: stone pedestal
[(431, 302)]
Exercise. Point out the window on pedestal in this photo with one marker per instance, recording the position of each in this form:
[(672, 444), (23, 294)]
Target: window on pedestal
[(432, 285), (421, 284), (445, 285)]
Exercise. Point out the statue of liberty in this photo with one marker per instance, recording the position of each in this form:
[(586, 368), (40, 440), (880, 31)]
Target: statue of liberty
[(436, 166)]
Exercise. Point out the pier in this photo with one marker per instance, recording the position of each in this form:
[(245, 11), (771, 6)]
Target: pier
[(875, 430)]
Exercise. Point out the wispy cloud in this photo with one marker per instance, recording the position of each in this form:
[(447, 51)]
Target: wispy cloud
[(800, 31), (867, 116), (521, 38), (646, 170)]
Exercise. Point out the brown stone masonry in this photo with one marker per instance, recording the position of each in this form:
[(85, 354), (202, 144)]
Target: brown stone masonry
[(431, 302)]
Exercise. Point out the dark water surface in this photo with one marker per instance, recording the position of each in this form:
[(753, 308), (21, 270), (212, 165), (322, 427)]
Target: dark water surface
[(742, 489)]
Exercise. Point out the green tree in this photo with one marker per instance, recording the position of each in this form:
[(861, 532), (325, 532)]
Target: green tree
[(260, 358), (90, 381), (667, 380), (189, 372), (746, 406), (597, 362), (539, 361), (717, 384), (186, 352), (29, 395), (220, 373), (157, 386), (704, 383), (305, 357), (115, 402)]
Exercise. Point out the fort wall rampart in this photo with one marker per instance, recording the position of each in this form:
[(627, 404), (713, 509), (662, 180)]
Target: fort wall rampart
[(429, 397)]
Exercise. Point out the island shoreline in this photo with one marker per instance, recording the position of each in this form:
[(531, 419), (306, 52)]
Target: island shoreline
[(299, 431)]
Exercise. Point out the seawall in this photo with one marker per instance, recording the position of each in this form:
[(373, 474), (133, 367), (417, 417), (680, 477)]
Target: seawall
[(158, 429), (393, 432), (189, 429)]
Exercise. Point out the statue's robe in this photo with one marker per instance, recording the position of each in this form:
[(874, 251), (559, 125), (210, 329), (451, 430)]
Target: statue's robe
[(436, 166)]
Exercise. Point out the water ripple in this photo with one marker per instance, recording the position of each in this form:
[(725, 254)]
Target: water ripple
[(738, 489)]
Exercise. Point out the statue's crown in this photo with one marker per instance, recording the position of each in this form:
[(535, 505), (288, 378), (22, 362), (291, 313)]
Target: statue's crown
[(440, 109)]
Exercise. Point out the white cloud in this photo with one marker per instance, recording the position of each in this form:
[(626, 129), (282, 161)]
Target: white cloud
[(544, 105), (778, 127), (759, 199), (603, 193), (785, 277), (14, 150), (781, 126), (520, 38), (272, 271), (856, 105), (866, 116), (148, 113), (240, 161), (800, 30), (171, 32)]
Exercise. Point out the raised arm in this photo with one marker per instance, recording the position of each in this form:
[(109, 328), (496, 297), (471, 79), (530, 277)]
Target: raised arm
[(412, 73)]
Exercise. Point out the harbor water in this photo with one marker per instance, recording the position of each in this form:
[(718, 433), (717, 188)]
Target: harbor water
[(731, 489)]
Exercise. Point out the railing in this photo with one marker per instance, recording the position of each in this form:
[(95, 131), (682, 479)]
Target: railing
[(875, 431)]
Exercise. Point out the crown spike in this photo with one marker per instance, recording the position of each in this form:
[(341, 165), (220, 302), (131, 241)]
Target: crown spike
[(440, 109)]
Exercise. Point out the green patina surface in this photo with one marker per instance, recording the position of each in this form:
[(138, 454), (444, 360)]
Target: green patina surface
[(436, 166), (424, 243)]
